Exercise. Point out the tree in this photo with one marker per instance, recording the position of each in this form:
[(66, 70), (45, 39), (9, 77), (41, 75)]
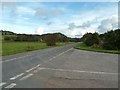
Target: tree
[(91, 39), (112, 40), (85, 36), (96, 39), (51, 39)]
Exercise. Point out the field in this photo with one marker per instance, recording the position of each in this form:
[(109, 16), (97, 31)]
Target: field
[(82, 46), (9, 48)]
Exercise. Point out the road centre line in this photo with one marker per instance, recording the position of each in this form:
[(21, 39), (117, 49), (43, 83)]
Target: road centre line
[(33, 68), (58, 55), (11, 85), (38, 69), (27, 76), (15, 77)]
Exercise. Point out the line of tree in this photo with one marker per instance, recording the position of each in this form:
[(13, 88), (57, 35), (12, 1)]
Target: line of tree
[(49, 38), (109, 40)]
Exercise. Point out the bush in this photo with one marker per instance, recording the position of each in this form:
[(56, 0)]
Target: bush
[(51, 39), (92, 39)]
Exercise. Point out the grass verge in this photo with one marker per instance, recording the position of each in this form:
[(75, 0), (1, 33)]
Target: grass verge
[(9, 48), (82, 46)]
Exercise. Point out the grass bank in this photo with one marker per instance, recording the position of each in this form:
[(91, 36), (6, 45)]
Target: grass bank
[(82, 46), (9, 48)]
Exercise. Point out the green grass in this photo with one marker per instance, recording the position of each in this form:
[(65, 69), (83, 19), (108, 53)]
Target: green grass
[(82, 46), (9, 48)]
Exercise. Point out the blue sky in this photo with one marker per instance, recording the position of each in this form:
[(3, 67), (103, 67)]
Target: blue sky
[(70, 18)]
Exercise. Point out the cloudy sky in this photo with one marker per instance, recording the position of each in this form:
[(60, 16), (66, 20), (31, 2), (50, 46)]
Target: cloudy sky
[(70, 18)]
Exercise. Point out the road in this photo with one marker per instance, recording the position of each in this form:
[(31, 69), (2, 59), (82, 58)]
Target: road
[(60, 67)]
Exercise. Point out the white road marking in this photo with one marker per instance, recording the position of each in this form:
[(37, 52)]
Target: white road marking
[(27, 76), (2, 83), (15, 77), (11, 85), (33, 68), (92, 72), (47, 61), (38, 69), (58, 55), (15, 58)]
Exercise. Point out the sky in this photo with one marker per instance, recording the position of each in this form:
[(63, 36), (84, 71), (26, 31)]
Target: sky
[(73, 19)]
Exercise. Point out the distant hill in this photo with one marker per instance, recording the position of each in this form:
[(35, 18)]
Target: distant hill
[(11, 36), (61, 37)]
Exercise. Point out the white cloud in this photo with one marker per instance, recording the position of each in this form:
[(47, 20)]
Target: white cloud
[(25, 10), (92, 20), (83, 17), (73, 33), (84, 25), (76, 32), (80, 31), (40, 30), (108, 24)]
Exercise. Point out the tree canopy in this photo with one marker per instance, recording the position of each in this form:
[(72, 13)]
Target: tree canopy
[(109, 40)]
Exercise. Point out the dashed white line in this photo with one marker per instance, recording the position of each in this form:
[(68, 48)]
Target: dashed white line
[(30, 69), (27, 76), (15, 77), (38, 65), (11, 85), (2, 83), (58, 55), (33, 68), (38, 69)]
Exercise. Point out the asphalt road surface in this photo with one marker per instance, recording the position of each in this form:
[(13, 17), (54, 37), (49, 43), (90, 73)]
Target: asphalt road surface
[(60, 67)]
